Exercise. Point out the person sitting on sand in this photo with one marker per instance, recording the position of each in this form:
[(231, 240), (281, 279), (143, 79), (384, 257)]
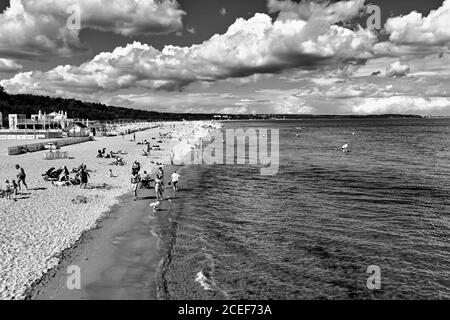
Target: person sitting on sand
[(111, 174), (135, 184), (99, 154), (21, 177), (64, 176)]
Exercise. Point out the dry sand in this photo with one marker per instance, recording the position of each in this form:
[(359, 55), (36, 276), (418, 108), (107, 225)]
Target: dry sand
[(43, 222)]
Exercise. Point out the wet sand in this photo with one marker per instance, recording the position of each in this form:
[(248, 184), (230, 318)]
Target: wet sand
[(119, 259)]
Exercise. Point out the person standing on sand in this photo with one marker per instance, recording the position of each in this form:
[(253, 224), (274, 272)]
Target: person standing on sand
[(175, 177), (21, 177), (8, 190), (172, 157), (84, 177), (159, 189), (135, 184), (134, 136)]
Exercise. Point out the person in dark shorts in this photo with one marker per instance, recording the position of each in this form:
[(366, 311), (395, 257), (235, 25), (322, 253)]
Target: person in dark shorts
[(175, 177), (84, 177), (21, 176)]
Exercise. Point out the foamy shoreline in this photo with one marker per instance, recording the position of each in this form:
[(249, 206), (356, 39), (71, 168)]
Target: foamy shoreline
[(38, 227)]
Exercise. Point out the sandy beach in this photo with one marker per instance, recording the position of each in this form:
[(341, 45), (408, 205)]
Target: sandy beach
[(45, 221)]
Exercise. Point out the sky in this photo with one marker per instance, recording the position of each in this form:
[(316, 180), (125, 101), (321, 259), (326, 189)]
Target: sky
[(232, 56)]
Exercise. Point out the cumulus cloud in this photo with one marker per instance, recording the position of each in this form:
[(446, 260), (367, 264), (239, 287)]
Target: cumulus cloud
[(401, 104), (324, 11), (256, 45), (9, 66), (32, 28), (397, 69), (416, 29)]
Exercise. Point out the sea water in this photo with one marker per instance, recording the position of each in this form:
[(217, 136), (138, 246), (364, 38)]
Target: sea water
[(317, 228)]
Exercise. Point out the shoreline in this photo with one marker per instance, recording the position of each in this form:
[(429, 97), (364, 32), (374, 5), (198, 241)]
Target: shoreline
[(98, 253)]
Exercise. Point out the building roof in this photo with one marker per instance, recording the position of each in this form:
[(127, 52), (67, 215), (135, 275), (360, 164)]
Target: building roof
[(78, 124)]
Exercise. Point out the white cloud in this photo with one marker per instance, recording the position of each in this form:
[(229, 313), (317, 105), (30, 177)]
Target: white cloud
[(32, 28), (223, 11), (401, 104), (9, 66), (397, 69), (341, 92), (256, 45), (191, 30), (305, 10), (415, 29)]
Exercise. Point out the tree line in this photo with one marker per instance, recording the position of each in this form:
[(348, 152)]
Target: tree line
[(29, 104)]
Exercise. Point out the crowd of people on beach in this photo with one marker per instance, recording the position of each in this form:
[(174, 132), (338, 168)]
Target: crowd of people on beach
[(144, 180), (79, 176), (62, 177)]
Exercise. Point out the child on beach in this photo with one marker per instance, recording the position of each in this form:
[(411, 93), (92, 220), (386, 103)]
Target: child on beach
[(155, 206), (15, 188), (8, 190)]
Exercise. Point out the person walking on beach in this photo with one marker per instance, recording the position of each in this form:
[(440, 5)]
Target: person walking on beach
[(134, 136), (159, 189), (175, 177), (136, 167), (21, 177), (135, 184), (84, 177), (160, 175)]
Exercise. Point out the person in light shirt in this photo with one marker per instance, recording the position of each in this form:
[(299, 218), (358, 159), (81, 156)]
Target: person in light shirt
[(175, 177)]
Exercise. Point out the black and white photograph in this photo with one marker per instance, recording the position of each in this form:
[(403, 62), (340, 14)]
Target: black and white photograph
[(224, 150)]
